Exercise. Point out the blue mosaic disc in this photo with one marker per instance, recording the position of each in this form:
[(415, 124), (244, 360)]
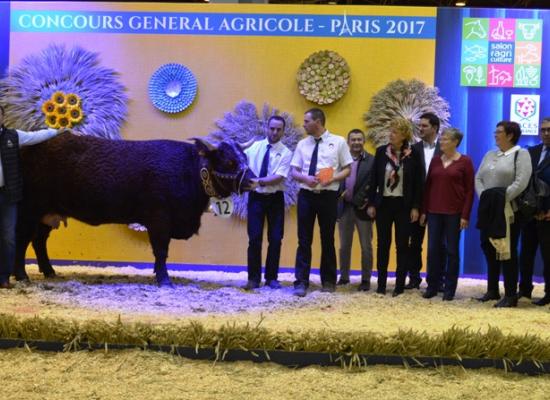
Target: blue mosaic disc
[(172, 88)]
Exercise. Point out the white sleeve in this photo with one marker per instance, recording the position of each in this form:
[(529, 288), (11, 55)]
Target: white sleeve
[(30, 138)]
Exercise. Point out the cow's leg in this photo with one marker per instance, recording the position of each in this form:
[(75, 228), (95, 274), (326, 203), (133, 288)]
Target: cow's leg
[(24, 233), (39, 245), (160, 240)]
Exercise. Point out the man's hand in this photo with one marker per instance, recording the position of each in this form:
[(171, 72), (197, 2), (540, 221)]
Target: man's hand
[(310, 181), (464, 223), (414, 215), (422, 220), (371, 212), (254, 183)]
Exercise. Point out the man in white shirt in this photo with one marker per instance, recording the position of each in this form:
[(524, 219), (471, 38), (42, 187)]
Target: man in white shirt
[(11, 189), (319, 163), (269, 160)]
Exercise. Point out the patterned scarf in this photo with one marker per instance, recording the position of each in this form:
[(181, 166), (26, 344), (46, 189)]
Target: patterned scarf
[(396, 164)]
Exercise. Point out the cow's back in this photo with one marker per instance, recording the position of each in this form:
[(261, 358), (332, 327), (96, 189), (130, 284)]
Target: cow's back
[(102, 181)]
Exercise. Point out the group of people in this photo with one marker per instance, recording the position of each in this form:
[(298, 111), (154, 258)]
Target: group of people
[(403, 187)]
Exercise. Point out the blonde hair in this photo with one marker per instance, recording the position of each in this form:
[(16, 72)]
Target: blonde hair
[(404, 127)]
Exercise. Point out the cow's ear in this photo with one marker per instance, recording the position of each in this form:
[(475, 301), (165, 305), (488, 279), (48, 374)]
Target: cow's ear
[(204, 147)]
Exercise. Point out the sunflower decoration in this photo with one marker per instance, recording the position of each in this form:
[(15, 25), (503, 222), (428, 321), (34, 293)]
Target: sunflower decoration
[(323, 77), (36, 89), (63, 110)]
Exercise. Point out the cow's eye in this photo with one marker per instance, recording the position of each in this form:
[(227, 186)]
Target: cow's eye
[(230, 164)]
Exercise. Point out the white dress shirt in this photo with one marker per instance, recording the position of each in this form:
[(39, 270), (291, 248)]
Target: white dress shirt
[(429, 151), (279, 162), (27, 139), (333, 153)]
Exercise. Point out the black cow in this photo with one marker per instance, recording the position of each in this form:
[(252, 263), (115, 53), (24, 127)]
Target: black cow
[(163, 185)]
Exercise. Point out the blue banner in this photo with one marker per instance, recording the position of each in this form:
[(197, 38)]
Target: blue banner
[(4, 36), (302, 25)]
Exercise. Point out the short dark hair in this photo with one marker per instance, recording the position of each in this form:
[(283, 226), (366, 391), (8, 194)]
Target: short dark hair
[(546, 119), (277, 118), (454, 133), (356, 131), (434, 120), (317, 113), (511, 128)]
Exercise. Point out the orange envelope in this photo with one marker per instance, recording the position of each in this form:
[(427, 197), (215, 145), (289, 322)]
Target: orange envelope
[(325, 175)]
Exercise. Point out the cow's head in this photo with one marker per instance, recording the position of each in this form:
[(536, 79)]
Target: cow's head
[(225, 169)]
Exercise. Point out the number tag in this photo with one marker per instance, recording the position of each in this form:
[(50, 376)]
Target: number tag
[(222, 207)]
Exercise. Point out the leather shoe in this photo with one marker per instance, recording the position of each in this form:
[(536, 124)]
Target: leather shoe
[(428, 294), (448, 297), (300, 291), (413, 284), (364, 286), (542, 302), (507, 301), (491, 295), (396, 293), (6, 285), (328, 288), (343, 282), (524, 293), (381, 291), (250, 285), (274, 284)]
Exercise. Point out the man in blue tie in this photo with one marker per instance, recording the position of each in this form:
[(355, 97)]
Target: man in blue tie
[(269, 160), (536, 233), (320, 162)]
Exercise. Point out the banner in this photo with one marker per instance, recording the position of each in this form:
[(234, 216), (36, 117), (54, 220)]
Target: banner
[(174, 23)]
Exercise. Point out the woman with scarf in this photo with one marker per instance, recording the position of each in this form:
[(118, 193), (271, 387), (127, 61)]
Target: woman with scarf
[(395, 194)]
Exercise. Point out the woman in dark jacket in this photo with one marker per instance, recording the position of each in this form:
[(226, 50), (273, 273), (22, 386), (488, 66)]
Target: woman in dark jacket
[(395, 195)]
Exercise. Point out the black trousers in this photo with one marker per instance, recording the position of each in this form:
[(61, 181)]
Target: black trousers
[(392, 211), (535, 234), (322, 206), (417, 239), (260, 208), (509, 267)]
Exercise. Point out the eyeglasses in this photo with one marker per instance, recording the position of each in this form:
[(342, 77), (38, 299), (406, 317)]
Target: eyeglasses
[(544, 130)]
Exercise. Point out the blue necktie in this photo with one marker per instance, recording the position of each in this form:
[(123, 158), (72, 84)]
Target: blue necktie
[(547, 154), (265, 163), (313, 163)]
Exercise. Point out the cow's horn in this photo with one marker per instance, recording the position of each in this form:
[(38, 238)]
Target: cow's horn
[(246, 145), (209, 145)]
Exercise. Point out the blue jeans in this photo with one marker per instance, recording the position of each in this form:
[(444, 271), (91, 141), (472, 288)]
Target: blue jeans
[(444, 227), (8, 219)]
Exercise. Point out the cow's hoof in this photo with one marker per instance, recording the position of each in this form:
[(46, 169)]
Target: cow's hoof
[(49, 274), (23, 278), (165, 283)]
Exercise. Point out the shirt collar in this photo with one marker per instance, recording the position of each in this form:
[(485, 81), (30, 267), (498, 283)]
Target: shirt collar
[(427, 145), (508, 152)]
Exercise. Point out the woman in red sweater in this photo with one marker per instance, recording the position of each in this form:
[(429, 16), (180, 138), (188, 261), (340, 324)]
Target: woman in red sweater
[(448, 198)]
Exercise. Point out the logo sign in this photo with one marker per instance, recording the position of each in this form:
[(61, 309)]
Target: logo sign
[(524, 109), (501, 52), (222, 207)]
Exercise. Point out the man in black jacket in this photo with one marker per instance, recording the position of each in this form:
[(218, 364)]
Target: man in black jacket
[(426, 148), (11, 190), (352, 211), (536, 233)]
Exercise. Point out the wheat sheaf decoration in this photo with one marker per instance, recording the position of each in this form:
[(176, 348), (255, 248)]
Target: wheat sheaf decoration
[(323, 77), (60, 87), (245, 123), (406, 99)]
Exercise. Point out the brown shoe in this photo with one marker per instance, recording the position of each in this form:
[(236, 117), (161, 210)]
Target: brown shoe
[(5, 285)]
